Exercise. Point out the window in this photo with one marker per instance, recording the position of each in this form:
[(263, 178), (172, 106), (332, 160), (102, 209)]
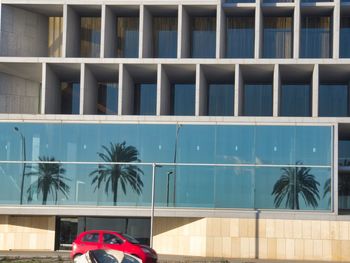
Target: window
[(107, 98), (70, 97), (203, 37), (220, 100), (90, 36), (344, 37), (333, 100), (316, 37), (183, 99), (111, 239), (145, 99), (257, 100), (127, 37), (295, 100), (91, 237), (165, 37), (278, 40), (240, 37)]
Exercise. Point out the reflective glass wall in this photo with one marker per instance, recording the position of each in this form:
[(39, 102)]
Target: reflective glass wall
[(344, 51), (127, 37), (256, 166), (203, 37), (90, 36), (221, 99), (145, 99), (295, 100), (333, 100), (257, 100), (165, 37), (107, 101)]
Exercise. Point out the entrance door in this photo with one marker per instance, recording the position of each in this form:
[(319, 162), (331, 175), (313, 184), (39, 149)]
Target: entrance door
[(67, 229)]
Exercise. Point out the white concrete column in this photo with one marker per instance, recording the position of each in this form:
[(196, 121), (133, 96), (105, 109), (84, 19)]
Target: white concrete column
[(159, 84), (179, 31), (315, 87), (201, 92), (165, 91), (103, 31), (185, 36), (335, 175), (82, 88), (43, 86), (64, 33), (276, 91), (258, 29), (296, 29), (120, 90), (219, 31), (141, 26), (336, 29), (238, 104)]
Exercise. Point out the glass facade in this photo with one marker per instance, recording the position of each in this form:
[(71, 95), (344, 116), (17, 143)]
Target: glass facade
[(344, 51), (240, 37), (107, 102), (70, 97), (333, 100), (145, 99), (257, 100), (127, 37), (295, 100), (316, 37), (278, 37), (292, 154), (221, 99), (343, 174), (90, 37), (183, 99), (165, 37), (203, 37)]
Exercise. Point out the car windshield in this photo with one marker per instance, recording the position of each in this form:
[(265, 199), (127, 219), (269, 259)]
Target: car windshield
[(130, 239), (128, 259), (102, 256)]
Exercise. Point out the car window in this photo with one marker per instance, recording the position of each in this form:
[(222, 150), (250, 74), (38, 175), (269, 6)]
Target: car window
[(130, 239), (128, 259), (111, 239), (90, 237)]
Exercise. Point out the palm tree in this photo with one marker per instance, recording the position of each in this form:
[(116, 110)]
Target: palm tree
[(296, 182), (50, 179), (114, 173)]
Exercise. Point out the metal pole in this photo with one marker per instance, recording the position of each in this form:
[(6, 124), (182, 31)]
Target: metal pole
[(178, 126), (152, 201), (23, 140)]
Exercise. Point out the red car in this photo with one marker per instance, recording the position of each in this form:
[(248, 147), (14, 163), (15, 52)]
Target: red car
[(102, 239)]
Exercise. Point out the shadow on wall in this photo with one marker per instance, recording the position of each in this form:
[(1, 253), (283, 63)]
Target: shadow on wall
[(167, 224), (33, 222)]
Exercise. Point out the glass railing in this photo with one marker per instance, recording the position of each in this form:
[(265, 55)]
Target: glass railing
[(55, 183)]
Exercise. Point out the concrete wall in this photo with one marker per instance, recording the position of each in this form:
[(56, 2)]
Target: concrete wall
[(90, 92), (248, 238), (23, 33), (73, 33), (52, 92), (19, 95), (27, 233)]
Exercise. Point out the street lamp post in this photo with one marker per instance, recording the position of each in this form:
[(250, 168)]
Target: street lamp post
[(178, 126), (23, 140)]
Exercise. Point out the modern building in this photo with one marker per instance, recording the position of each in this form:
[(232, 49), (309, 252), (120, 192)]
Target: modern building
[(206, 128)]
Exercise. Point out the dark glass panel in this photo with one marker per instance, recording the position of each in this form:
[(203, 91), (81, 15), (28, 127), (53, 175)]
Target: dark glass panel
[(295, 100), (278, 37), (203, 37), (220, 100), (127, 37), (345, 37), (240, 1), (257, 100), (70, 97), (165, 37), (90, 37), (183, 99), (316, 37), (277, 1), (240, 37), (145, 99), (107, 102), (333, 101)]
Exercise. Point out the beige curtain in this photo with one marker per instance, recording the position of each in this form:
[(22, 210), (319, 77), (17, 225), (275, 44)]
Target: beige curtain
[(55, 36)]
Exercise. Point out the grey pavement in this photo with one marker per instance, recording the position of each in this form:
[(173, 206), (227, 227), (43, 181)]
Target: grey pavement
[(63, 256)]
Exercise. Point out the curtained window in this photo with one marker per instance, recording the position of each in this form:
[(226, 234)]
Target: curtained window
[(183, 99), (107, 102), (90, 37), (220, 100), (165, 37), (240, 37), (316, 37), (55, 36), (257, 100), (70, 97), (333, 100), (278, 37), (345, 37), (203, 37), (127, 37), (145, 99), (295, 100)]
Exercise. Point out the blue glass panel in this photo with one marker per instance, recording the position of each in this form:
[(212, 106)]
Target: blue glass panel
[(274, 145), (257, 100), (221, 98), (183, 99), (344, 153), (107, 98), (240, 37), (295, 100), (235, 144), (11, 177), (70, 97), (333, 101), (316, 37), (311, 145), (128, 37), (165, 37), (203, 37), (239, 1), (344, 37), (145, 99)]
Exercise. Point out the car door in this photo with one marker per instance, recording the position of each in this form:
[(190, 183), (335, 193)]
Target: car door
[(90, 241), (112, 241)]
